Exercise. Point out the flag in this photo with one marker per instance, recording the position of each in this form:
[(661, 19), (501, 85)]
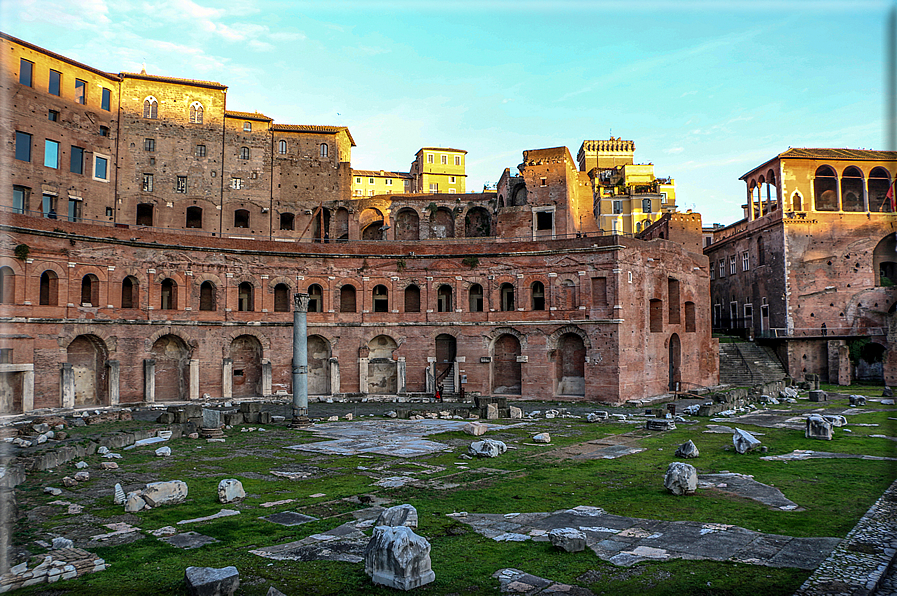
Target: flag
[(891, 198)]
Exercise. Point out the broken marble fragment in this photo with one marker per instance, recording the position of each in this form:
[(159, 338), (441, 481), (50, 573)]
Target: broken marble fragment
[(681, 479), (398, 558)]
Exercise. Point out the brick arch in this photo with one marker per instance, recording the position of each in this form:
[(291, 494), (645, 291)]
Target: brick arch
[(124, 272), (81, 270), (186, 337), (38, 267), (281, 279), (230, 336), (245, 277), (100, 331), (204, 277), (553, 337), (489, 338)]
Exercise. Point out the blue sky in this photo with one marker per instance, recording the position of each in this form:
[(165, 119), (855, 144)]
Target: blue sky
[(706, 92)]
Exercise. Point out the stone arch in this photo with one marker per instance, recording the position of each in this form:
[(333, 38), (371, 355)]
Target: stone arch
[(477, 223), (245, 352), (797, 201), (552, 338), (884, 261), (382, 368), (88, 355), (407, 224), (262, 338), (518, 196), (339, 225), (319, 353), (370, 222), (181, 334), (507, 377), (489, 338), (172, 370), (570, 365)]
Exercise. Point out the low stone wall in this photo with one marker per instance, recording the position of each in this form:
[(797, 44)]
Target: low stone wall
[(739, 397), (860, 561), (64, 563)]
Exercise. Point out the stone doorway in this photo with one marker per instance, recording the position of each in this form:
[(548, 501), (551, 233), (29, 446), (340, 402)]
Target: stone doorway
[(570, 365), (246, 355), (87, 355), (172, 358), (383, 374), (318, 365), (506, 369)]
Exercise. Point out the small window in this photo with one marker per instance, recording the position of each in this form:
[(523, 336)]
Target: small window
[(55, 84), (282, 147), (380, 298), (732, 269), (475, 298), (26, 70), (48, 206), (722, 268), (286, 221), (507, 297), (150, 107), (236, 183), (452, 191), (106, 100), (457, 160), (181, 185), (646, 205), (104, 131), (149, 144), (445, 160), (244, 297), (324, 150), (444, 298), (452, 180), (388, 182), (347, 298), (109, 212), (429, 158), (81, 91), (200, 151), (23, 146), (147, 183), (655, 316), (129, 287), (207, 296), (247, 127), (145, 214), (74, 209), (169, 295), (315, 298), (241, 218), (100, 167), (544, 220), (49, 288), (53, 116), (194, 216), (412, 298), (434, 187), (19, 198), (244, 152), (543, 181), (51, 154), (537, 291), (618, 207), (370, 180), (76, 165), (745, 261), (282, 298), (357, 180), (195, 113)]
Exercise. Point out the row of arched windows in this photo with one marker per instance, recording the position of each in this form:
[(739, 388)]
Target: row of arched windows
[(851, 192), (151, 110), (323, 148)]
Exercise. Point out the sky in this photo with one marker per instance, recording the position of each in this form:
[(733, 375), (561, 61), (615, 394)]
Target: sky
[(706, 91)]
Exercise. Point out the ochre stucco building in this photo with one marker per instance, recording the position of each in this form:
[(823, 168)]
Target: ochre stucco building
[(170, 275)]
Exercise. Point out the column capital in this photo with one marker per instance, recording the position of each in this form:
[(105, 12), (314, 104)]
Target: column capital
[(300, 302)]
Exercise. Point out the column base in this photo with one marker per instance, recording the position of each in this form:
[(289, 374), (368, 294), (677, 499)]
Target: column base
[(300, 422)]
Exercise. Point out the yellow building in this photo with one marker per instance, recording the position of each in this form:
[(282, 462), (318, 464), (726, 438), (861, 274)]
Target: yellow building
[(627, 197), (366, 183), (439, 170)]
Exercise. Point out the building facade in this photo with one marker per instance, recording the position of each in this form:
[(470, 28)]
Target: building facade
[(811, 267), (367, 183), (439, 170), (172, 277)]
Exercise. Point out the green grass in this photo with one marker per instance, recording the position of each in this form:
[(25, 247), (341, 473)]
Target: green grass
[(523, 480)]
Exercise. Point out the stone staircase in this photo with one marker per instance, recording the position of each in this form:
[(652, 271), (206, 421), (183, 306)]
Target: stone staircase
[(745, 364)]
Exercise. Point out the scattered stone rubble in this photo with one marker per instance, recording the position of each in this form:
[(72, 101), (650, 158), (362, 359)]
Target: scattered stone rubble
[(63, 563), (230, 490), (209, 581), (514, 581), (818, 428), (571, 540), (398, 558), (487, 448), (155, 494), (687, 450), (744, 441), (681, 478)]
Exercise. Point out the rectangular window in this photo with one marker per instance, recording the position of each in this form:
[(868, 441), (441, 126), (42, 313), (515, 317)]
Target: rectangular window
[(749, 314), (55, 82), (732, 269), (104, 131), (147, 183), (444, 159), (357, 180), (81, 91), (451, 179), (745, 261), (236, 183), (23, 146), (48, 206), (200, 151), (618, 207), (106, 101), (712, 273), (149, 144), (429, 158), (646, 205), (388, 182), (452, 191), (722, 268), (733, 315), (76, 165), (434, 187), (74, 209), (53, 116), (543, 182), (26, 69), (182, 184), (544, 220), (599, 292), (100, 167), (370, 180), (51, 154), (457, 160), (19, 198)]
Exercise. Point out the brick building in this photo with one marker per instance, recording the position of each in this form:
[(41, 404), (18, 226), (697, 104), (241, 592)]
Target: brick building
[(174, 279), (811, 268)]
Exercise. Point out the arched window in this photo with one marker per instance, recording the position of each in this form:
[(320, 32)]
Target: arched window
[(324, 149), (241, 218), (194, 217), (315, 298), (537, 290), (852, 187), (90, 290), (412, 298), (129, 295), (476, 298), (247, 127), (169, 294), (7, 286), (444, 298), (150, 107), (825, 188), (282, 147), (195, 113), (282, 298), (244, 297), (207, 299), (380, 297), (879, 183), (49, 284), (286, 221), (347, 298), (507, 296), (244, 152)]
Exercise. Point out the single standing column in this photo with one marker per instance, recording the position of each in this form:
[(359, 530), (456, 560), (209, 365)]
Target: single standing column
[(300, 360)]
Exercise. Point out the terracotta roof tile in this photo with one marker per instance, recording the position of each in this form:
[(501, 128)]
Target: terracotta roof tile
[(246, 115), (314, 128), (852, 154), (175, 80), (21, 42), (381, 173), (440, 149)]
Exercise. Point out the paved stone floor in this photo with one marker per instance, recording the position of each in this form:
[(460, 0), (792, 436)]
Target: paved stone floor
[(625, 541), (514, 581), (745, 486)]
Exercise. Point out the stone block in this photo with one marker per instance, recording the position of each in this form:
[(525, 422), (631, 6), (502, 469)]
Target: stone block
[(817, 396), (857, 400), (251, 407), (230, 490), (209, 581), (233, 418), (165, 418), (264, 417), (163, 451), (398, 558), (744, 441), (817, 427), (169, 492), (681, 478), (118, 495), (515, 412), (400, 515), (687, 450), (660, 424), (211, 418), (542, 438), (571, 540), (487, 448), (475, 428), (491, 412), (134, 502)]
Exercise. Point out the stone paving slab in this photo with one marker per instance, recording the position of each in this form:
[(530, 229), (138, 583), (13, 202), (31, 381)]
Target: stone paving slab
[(625, 541), (745, 486), (289, 518), (188, 540), (800, 454), (514, 581)]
